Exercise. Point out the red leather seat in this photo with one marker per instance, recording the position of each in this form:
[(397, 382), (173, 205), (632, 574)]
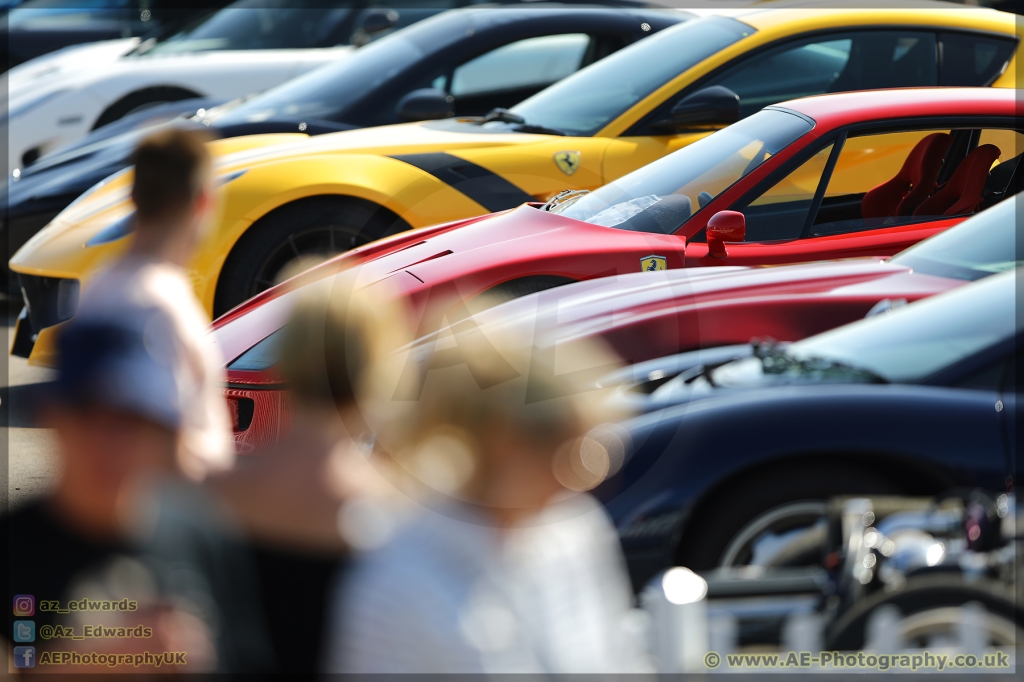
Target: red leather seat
[(963, 193), (912, 185)]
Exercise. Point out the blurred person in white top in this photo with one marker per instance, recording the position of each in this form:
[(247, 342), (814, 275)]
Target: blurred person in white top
[(505, 565), (173, 194)]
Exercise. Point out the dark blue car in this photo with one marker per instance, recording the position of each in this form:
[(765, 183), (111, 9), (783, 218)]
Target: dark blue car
[(915, 401)]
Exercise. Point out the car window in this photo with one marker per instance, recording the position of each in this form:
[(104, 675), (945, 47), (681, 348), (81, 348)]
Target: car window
[(921, 339), (335, 89), (663, 195), (260, 357), (908, 344), (55, 14), (786, 73), (533, 62), (978, 247), (590, 99), (260, 25), (860, 60), (781, 211), (973, 60), (874, 164)]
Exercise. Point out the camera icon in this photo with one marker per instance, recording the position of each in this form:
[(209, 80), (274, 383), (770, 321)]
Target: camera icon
[(24, 605)]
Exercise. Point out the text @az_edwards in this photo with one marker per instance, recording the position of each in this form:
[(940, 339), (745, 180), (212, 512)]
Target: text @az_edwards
[(95, 632)]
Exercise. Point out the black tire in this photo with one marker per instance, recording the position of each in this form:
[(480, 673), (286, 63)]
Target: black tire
[(140, 99), (714, 525), (317, 227), (917, 596), (517, 288)]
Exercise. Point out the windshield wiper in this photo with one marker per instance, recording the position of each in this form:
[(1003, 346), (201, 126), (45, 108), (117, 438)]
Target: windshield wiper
[(775, 360), (506, 116), (539, 130), (503, 115)]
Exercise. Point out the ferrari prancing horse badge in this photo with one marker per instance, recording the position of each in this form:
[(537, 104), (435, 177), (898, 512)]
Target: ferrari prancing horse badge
[(567, 162), (652, 263)]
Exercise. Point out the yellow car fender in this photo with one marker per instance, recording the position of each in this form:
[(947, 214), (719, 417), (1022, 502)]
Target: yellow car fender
[(417, 197)]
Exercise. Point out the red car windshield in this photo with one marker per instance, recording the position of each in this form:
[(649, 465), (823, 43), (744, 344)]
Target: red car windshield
[(663, 195)]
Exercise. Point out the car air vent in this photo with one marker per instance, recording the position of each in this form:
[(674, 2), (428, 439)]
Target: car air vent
[(441, 254), (49, 300), (410, 246), (242, 410)]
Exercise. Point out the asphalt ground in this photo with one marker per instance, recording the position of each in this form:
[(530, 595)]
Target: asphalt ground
[(29, 451)]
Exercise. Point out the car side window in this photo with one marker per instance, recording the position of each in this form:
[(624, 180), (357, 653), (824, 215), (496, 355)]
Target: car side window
[(969, 59), (781, 211), (907, 177), (533, 63), (856, 60)]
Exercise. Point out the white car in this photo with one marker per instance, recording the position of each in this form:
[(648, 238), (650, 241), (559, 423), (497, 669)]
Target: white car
[(243, 49)]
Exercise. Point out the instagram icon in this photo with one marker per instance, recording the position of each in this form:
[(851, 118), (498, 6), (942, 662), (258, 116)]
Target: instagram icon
[(24, 605)]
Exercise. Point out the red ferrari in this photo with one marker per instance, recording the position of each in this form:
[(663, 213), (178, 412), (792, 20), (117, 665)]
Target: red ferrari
[(837, 176), (648, 319)]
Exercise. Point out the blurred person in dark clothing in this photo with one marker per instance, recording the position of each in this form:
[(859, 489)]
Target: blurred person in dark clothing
[(123, 530), (507, 566), (311, 497), (173, 194)]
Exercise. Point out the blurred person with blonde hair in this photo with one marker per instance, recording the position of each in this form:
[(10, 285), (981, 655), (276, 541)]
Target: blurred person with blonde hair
[(509, 566), (173, 193), (307, 499)]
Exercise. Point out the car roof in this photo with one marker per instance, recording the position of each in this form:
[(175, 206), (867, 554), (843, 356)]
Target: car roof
[(837, 110), (506, 11), (780, 14)]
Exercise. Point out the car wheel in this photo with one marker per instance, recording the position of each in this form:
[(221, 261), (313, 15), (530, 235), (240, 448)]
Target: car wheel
[(927, 613), (296, 237), (142, 99), (772, 520)]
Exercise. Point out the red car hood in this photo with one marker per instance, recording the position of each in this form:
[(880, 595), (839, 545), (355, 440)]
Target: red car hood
[(649, 315), (506, 246), (464, 262)]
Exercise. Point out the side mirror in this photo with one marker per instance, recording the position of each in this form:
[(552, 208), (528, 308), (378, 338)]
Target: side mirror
[(371, 22), (725, 226), (425, 104), (708, 107)]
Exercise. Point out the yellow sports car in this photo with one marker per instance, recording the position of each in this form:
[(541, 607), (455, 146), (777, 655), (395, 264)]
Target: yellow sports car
[(285, 198)]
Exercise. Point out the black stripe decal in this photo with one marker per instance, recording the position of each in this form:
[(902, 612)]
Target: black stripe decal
[(491, 191)]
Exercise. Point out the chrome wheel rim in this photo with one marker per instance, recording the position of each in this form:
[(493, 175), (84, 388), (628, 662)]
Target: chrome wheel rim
[(779, 536)]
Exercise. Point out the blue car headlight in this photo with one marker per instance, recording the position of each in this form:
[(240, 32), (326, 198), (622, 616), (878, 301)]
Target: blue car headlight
[(116, 230)]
